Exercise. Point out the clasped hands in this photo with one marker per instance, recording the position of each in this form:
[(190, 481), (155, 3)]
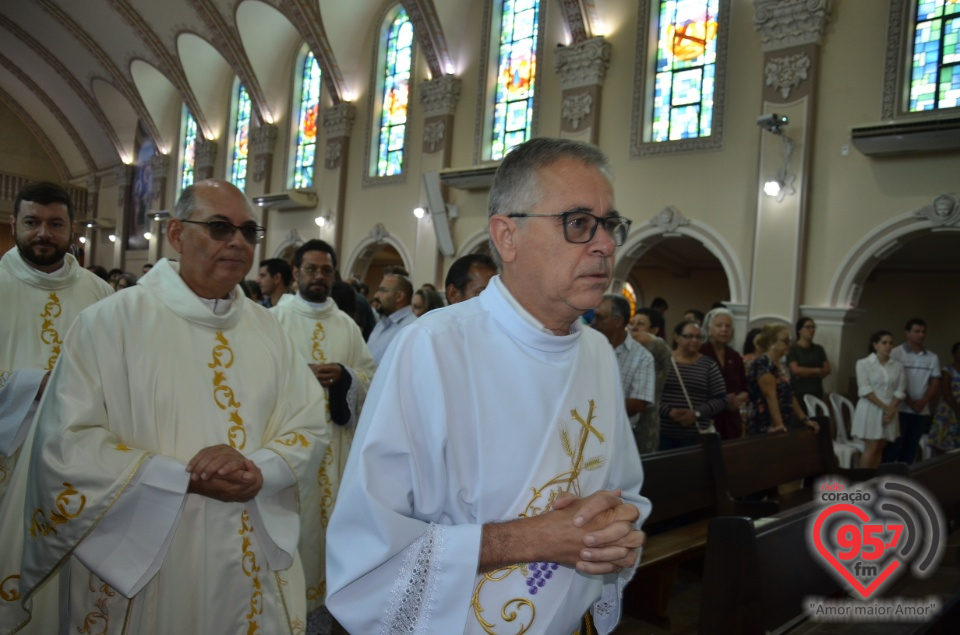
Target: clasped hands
[(327, 374), (224, 474), (596, 534)]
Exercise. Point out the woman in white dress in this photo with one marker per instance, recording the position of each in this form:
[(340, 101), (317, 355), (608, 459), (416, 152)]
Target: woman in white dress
[(882, 383)]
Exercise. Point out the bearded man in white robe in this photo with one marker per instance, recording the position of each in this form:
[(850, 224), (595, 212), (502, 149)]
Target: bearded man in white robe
[(179, 433), (332, 345), (493, 484), (43, 288)]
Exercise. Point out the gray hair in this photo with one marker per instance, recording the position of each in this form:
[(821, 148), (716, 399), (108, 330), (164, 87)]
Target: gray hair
[(619, 306), (516, 187), (189, 200), (711, 315)]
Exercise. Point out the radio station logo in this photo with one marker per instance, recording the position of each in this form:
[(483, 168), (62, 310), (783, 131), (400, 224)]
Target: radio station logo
[(867, 536)]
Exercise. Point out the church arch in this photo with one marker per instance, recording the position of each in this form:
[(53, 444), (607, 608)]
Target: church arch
[(367, 250), (942, 214)]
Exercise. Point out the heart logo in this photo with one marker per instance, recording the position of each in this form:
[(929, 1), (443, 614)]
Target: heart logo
[(851, 538)]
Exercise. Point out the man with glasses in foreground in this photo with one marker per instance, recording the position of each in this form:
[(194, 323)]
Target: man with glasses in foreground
[(493, 485), (178, 434), (331, 343)]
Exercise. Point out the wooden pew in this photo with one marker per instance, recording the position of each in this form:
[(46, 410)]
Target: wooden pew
[(939, 475), (683, 487), (760, 463), (756, 573)]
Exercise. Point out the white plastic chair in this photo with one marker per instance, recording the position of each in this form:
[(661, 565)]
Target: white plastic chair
[(841, 403), (848, 455)]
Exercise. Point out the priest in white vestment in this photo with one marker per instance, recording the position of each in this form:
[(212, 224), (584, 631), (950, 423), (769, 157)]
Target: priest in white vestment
[(332, 344), (171, 451), (43, 289), (483, 489)]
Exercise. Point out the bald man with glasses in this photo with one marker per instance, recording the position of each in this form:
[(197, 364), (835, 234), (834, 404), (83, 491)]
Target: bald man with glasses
[(180, 430), (493, 484)]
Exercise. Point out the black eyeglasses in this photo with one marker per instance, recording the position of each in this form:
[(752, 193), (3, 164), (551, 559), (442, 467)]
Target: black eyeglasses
[(223, 230), (580, 227)]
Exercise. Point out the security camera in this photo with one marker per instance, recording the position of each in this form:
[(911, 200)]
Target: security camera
[(772, 122)]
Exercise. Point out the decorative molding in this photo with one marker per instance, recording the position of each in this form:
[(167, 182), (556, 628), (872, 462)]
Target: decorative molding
[(429, 34), (92, 105), (669, 220), (304, 15), (893, 61), (583, 64), (433, 134), (379, 234), (440, 96), (575, 20), (160, 167), (788, 23), (944, 211), (333, 153), (640, 145), (263, 140), (124, 177), (577, 107), (58, 163), (92, 184), (786, 73), (205, 154), (120, 80), (292, 239), (54, 109), (338, 120)]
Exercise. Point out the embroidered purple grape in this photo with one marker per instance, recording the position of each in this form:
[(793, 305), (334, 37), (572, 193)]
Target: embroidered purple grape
[(539, 573)]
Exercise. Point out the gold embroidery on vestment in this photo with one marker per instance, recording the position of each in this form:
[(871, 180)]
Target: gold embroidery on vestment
[(10, 588), (251, 569), (223, 394), (541, 502), (48, 330), (318, 336), (43, 525)]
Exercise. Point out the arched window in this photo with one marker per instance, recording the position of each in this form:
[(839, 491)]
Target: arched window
[(395, 95), (241, 138), (934, 81), (309, 109), (679, 100), (188, 150), (516, 75)]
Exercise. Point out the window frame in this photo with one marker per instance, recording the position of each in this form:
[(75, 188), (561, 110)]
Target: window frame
[(645, 78), (234, 121), (899, 66), (295, 115), (186, 116), (378, 70), (490, 68)]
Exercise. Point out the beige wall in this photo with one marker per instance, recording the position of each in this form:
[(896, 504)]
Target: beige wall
[(20, 153)]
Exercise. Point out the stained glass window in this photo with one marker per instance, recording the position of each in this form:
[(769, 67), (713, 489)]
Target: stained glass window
[(396, 93), (307, 122), (513, 105), (188, 150), (685, 69), (241, 139), (935, 68)]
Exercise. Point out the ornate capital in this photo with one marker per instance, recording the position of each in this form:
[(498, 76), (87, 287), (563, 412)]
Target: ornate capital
[(785, 73), (379, 233), (433, 134), (669, 220), (338, 120), (576, 108), (205, 155), (440, 96), (787, 23), (333, 153), (262, 142), (583, 64), (944, 211)]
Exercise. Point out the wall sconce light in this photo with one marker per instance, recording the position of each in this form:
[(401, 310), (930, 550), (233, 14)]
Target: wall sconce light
[(323, 218), (148, 235), (782, 184), (112, 238), (82, 239), (419, 212)]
